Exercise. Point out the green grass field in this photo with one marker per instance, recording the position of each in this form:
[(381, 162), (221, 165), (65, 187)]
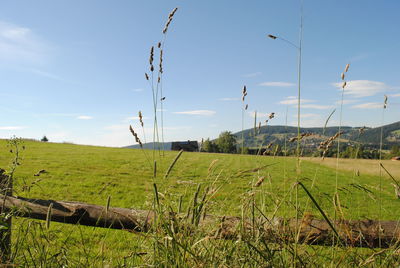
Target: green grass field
[(92, 174)]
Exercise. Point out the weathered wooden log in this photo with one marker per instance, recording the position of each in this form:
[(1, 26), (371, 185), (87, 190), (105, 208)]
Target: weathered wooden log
[(361, 233), (5, 233)]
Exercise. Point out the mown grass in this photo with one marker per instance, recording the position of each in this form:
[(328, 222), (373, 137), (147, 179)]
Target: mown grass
[(92, 174)]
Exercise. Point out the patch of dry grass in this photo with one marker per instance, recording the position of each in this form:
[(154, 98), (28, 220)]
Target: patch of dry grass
[(366, 166)]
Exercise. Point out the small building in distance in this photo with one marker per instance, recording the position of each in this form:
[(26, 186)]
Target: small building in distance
[(187, 146)]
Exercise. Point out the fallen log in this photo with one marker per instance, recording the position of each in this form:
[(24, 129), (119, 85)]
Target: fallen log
[(357, 233)]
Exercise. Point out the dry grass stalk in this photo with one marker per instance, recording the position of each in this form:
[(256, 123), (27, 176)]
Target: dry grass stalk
[(260, 181), (212, 165), (141, 118), (271, 115), (173, 164), (151, 59), (327, 144), (385, 102), (244, 93), (302, 135), (136, 136), (396, 190), (161, 61), (48, 216), (347, 67), (147, 76), (170, 17)]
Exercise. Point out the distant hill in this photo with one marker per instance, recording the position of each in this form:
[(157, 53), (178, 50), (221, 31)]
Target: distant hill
[(149, 145), (277, 134)]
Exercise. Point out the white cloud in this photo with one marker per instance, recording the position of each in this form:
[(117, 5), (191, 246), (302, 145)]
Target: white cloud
[(292, 100), (20, 44), (316, 106), (368, 105), (259, 114), (394, 95), (46, 74), (135, 118), (309, 115), (198, 112), (276, 84), (138, 89), (363, 88), (304, 103), (345, 102), (84, 117), (229, 99), (12, 128), (252, 74)]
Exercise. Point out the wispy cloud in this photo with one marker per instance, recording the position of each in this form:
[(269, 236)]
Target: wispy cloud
[(394, 95), (309, 115), (12, 128), (368, 105), (229, 99), (198, 112), (20, 44), (135, 118), (137, 89), (259, 114), (363, 88), (292, 100), (45, 74), (317, 106), (277, 84), (305, 103), (252, 74), (345, 102), (84, 117)]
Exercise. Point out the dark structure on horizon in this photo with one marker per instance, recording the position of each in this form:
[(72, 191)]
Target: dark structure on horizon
[(187, 146)]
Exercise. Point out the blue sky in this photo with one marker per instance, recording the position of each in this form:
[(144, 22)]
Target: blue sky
[(74, 70)]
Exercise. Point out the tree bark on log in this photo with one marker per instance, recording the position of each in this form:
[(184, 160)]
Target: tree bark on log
[(356, 233), (5, 233)]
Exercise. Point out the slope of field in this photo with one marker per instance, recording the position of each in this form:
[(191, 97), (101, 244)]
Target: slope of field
[(92, 174)]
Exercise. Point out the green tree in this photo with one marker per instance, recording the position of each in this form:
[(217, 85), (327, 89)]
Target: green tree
[(209, 146), (44, 139), (226, 142), (395, 150)]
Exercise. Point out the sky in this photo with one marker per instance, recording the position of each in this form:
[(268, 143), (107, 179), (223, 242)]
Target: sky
[(74, 70)]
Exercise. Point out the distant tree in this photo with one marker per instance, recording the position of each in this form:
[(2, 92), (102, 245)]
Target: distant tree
[(395, 150), (44, 139), (209, 146), (226, 142)]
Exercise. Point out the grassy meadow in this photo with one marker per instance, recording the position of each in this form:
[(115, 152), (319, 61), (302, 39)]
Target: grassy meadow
[(92, 174)]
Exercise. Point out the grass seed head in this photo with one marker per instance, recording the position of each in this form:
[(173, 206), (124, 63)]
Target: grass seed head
[(347, 67), (259, 182), (141, 118), (271, 115), (385, 102)]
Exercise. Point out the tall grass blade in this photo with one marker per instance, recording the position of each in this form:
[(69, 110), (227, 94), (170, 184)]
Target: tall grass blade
[(173, 164), (320, 210)]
